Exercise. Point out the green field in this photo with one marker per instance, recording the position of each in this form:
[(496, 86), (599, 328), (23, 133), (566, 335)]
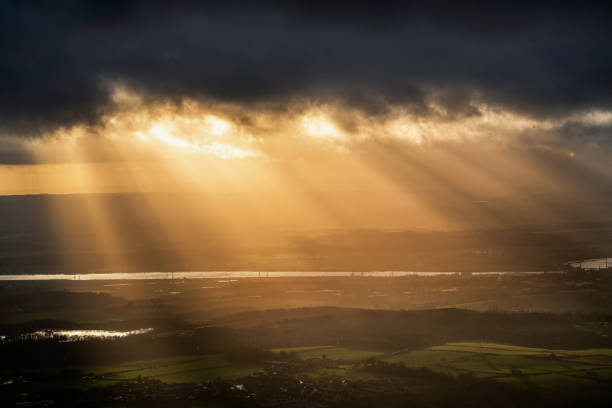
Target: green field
[(526, 365), (514, 363), (173, 369), (197, 368), (505, 349)]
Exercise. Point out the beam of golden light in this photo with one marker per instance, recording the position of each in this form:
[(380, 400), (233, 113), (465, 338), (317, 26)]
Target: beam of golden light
[(97, 224), (427, 161), (159, 229)]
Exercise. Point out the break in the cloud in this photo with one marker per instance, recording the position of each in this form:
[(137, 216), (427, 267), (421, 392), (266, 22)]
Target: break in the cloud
[(544, 61), (442, 96), (134, 128)]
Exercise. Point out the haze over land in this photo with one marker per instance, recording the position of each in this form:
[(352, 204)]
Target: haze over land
[(198, 232)]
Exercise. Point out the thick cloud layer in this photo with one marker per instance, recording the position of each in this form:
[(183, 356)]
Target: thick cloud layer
[(60, 58)]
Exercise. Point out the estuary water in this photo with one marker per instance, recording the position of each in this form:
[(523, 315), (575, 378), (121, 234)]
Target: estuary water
[(591, 264), (238, 274)]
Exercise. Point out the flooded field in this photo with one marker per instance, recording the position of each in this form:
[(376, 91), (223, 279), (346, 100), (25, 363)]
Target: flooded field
[(76, 335)]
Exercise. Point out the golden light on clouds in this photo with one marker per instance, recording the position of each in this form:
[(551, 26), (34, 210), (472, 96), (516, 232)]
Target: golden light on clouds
[(319, 126), (215, 147)]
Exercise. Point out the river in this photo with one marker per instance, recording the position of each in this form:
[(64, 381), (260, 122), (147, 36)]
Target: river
[(238, 274)]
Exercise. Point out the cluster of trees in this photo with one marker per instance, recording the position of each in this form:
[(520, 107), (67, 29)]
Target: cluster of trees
[(416, 329)]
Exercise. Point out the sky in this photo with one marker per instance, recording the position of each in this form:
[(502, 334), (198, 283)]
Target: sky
[(428, 102)]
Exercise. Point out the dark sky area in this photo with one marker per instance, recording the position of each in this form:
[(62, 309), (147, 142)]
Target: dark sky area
[(542, 59)]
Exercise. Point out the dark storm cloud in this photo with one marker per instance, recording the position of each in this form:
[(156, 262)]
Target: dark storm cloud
[(58, 58)]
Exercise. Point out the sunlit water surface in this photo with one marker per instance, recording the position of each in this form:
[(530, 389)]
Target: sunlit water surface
[(76, 335), (591, 264), (236, 274)]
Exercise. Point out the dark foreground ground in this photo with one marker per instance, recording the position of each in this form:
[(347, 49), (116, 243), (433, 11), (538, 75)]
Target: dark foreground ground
[(388, 386), (470, 341)]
